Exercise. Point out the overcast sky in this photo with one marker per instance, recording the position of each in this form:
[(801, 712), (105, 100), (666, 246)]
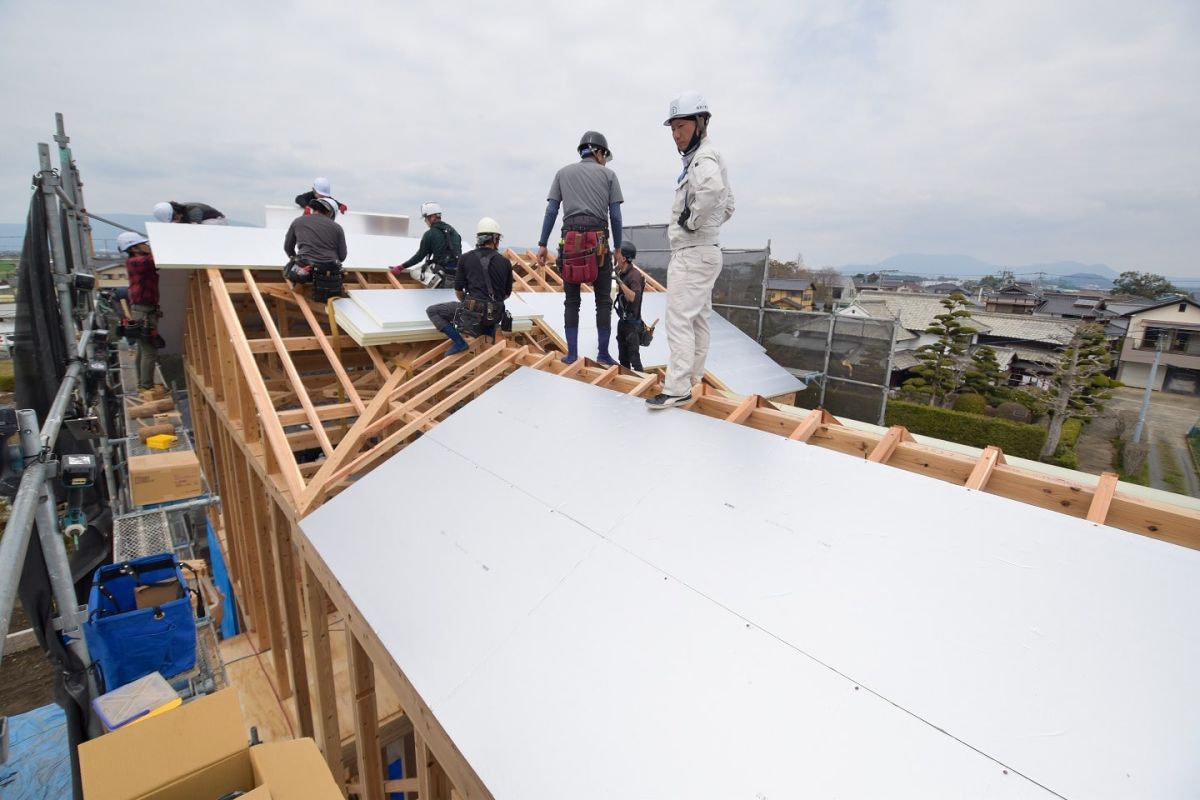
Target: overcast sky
[(1015, 131)]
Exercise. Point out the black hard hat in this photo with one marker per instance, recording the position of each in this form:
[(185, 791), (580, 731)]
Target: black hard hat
[(628, 249), (594, 139)]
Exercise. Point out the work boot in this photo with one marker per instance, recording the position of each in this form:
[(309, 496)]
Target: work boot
[(572, 346), (460, 344), (602, 356)]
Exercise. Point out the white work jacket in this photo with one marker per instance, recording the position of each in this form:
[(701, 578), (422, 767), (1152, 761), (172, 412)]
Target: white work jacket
[(705, 190)]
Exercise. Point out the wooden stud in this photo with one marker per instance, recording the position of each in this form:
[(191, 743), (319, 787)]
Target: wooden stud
[(982, 471), (285, 574), (808, 426), (366, 720), (887, 445), (742, 412), (326, 698), (1102, 499)]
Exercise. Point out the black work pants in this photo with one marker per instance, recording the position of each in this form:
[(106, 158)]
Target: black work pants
[(629, 343), (602, 288)]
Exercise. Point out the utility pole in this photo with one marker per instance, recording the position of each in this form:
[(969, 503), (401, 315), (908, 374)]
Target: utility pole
[(1161, 345)]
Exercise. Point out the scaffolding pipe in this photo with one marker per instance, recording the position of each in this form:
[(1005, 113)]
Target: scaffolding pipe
[(62, 277)]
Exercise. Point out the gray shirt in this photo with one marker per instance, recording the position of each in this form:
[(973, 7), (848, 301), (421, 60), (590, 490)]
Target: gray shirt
[(315, 239), (586, 187)]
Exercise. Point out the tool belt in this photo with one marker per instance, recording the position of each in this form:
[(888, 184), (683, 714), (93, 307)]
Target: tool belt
[(475, 317), (326, 281), (583, 248), (297, 273)]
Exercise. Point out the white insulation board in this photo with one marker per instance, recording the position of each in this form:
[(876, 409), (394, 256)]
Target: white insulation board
[(637, 625), (380, 316), (734, 358), (356, 222), (200, 246)]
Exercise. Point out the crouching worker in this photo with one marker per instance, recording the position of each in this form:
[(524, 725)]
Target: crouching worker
[(482, 283), (316, 247), (631, 283)]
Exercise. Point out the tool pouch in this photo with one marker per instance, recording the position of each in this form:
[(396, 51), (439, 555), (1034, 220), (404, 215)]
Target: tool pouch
[(326, 281), (646, 336), (297, 273), (581, 254)]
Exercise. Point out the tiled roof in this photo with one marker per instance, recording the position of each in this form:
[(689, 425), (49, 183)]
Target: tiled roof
[(1049, 330), (916, 312)]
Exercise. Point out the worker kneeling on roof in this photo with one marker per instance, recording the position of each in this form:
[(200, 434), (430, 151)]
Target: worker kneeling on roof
[(143, 301), (188, 213), (320, 188), (316, 247), (483, 281), (441, 247)]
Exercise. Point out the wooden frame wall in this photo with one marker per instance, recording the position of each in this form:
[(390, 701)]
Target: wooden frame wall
[(286, 413)]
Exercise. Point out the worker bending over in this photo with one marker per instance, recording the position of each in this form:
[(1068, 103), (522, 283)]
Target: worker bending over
[(143, 302), (188, 213), (631, 283), (590, 197), (316, 246), (441, 247), (703, 203), (320, 188), (482, 283)]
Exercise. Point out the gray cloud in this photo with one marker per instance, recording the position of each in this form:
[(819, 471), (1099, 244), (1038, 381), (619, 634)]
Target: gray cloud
[(1017, 132)]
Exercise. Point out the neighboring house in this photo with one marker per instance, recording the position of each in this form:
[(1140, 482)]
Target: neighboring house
[(1174, 327), (111, 276), (792, 294), (1027, 347), (946, 289), (1015, 298)]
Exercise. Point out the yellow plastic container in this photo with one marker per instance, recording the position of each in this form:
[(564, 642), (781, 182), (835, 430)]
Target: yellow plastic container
[(162, 441)]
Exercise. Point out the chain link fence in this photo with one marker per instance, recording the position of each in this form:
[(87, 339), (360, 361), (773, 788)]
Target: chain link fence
[(846, 360)]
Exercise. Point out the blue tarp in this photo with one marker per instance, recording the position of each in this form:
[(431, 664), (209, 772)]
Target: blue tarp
[(220, 574), (39, 763)]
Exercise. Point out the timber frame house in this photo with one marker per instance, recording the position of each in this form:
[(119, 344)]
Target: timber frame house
[(287, 412)]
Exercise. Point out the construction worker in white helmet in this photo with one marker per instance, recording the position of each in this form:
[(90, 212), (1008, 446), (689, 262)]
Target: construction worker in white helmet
[(436, 260), (703, 203), (143, 303), (320, 188), (188, 213), (316, 248), (482, 283)]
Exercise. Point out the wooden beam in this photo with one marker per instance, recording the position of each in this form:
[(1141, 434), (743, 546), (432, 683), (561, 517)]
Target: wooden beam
[(294, 344), (1102, 499), (329, 348), (326, 692), (606, 376), (279, 530), (285, 358), (266, 410), (982, 471), (887, 445), (808, 426), (742, 412), (366, 719)]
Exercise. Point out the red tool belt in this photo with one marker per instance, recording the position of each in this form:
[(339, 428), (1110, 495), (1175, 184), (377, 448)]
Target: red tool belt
[(582, 252)]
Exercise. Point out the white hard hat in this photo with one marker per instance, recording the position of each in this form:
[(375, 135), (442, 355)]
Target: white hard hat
[(488, 225), (430, 208), (163, 212), (330, 204), (321, 186), (688, 104), (128, 239)]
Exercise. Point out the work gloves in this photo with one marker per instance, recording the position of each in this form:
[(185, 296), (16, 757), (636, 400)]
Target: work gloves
[(683, 218)]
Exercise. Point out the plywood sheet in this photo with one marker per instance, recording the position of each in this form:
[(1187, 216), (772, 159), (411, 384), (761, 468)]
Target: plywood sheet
[(356, 222), (734, 358), (202, 246), (1060, 648), (729, 598)]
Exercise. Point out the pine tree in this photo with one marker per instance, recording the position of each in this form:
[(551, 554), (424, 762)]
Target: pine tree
[(984, 376), (1078, 387), (943, 363)]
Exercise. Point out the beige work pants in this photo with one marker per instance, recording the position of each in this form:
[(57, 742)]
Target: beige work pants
[(690, 278)]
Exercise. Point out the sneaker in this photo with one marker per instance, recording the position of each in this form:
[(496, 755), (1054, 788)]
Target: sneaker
[(660, 401)]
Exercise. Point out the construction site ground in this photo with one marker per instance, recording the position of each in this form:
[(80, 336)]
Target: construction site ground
[(1169, 419)]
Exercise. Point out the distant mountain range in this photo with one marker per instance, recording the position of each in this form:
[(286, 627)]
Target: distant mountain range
[(934, 266)]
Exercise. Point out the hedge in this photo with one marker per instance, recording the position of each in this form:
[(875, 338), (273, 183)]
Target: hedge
[(1014, 438), (970, 403)]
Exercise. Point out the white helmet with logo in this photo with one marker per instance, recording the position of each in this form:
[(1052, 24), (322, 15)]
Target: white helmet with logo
[(163, 212), (321, 186), (128, 239), (487, 225), (688, 104), (330, 205), (429, 209)]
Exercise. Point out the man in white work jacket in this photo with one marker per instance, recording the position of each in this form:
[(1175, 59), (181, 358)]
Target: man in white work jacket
[(703, 203)]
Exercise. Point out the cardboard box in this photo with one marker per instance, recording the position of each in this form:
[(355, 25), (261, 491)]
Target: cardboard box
[(164, 477), (201, 750), (156, 594)]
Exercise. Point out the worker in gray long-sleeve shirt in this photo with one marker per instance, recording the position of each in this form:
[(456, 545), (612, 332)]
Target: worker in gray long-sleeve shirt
[(317, 247)]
